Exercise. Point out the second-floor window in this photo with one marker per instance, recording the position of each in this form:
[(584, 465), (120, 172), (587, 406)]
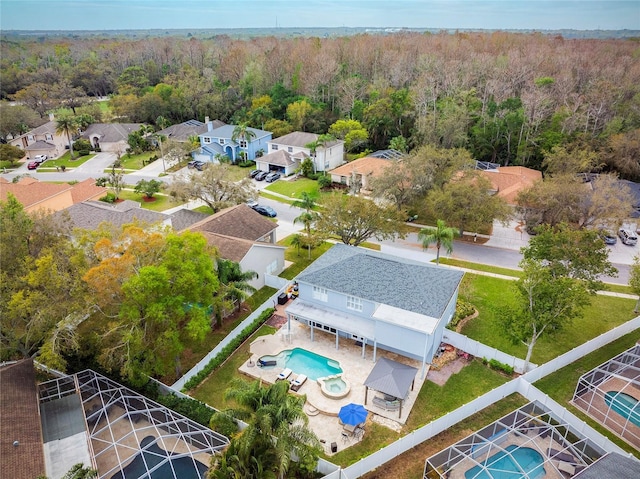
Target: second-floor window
[(290, 149), (242, 143), (274, 147), (320, 293), (221, 141), (206, 139), (48, 136), (354, 303)]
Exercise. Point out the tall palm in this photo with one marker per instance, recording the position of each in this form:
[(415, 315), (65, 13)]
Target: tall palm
[(307, 219), (242, 132), (307, 202), (67, 124), (234, 286), (441, 235)]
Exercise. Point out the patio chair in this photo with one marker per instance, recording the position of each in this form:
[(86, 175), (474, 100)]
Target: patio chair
[(284, 374), (298, 382)]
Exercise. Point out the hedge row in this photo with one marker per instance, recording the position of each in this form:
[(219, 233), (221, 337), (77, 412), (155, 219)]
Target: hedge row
[(219, 358), (498, 366), (191, 408)]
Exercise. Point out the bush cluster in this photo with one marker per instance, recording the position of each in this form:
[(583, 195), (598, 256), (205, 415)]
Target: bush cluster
[(246, 164), (191, 408), (217, 360), (498, 366), (109, 197), (463, 310)]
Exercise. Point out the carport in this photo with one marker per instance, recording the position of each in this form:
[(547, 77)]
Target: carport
[(394, 380)]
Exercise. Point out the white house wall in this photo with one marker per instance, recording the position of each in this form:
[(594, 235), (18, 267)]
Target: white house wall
[(259, 259)]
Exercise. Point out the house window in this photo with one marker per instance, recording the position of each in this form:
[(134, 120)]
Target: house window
[(290, 149), (274, 147), (320, 293), (242, 143), (30, 138), (221, 141), (354, 303), (48, 136), (206, 140)]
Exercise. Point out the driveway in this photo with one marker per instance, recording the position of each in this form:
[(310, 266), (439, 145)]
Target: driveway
[(95, 166)]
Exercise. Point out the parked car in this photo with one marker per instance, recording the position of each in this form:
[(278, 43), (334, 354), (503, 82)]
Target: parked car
[(33, 165), (261, 176), (40, 159), (266, 211), (197, 164), (252, 204), (608, 237), (253, 173), (627, 237), (271, 177)]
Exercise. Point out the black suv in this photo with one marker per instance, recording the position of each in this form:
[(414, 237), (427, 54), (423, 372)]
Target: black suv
[(197, 164)]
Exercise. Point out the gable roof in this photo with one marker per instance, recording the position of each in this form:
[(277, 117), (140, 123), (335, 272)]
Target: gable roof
[(238, 221), (183, 218), (300, 139), (226, 132), (279, 158), (30, 191), (40, 145), (20, 421), (611, 465), (365, 166), (229, 248), (48, 127), (404, 284), (85, 190), (111, 132), (508, 181), (182, 131), (89, 214)]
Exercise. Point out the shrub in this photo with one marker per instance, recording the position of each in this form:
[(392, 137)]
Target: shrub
[(102, 181), (221, 357), (109, 197), (463, 310), (224, 423), (81, 144), (192, 408), (83, 152), (324, 181), (246, 164), (498, 366)]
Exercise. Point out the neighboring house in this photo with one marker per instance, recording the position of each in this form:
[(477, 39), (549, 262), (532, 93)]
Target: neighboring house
[(295, 144), (90, 214), (281, 161), (35, 195), (111, 137), (183, 131), (377, 299), (361, 171), (246, 237), (217, 141), (635, 196), (508, 181), (43, 140), (21, 448)]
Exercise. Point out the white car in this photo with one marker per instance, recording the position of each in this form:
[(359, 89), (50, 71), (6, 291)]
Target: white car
[(40, 159)]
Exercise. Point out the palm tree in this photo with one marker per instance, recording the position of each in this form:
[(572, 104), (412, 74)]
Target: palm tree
[(277, 427), (243, 133), (307, 202), (234, 286), (307, 218), (66, 124), (441, 235)]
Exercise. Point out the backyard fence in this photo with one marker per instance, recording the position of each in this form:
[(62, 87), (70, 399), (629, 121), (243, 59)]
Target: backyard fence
[(179, 384), (480, 350), (275, 281)]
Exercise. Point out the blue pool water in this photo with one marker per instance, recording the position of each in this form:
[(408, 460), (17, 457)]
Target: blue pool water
[(514, 466), (301, 361), (625, 405)]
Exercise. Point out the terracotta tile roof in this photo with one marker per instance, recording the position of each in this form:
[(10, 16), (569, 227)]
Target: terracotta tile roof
[(364, 166), (30, 194), (238, 221), (85, 190), (20, 421), (508, 181)]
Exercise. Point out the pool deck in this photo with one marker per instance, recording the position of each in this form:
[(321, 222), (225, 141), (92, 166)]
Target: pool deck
[(323, 411)]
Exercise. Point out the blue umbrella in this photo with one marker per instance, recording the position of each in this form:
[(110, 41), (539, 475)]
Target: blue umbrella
[(353, 414)]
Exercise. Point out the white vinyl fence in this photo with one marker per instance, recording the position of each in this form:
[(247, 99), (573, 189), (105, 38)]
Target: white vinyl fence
[(179, 384), (275, 281), (480, 350)]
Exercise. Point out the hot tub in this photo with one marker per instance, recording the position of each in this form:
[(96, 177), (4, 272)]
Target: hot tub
[(334, 387)]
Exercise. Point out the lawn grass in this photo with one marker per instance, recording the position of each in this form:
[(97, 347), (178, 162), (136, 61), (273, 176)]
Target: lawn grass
[(204, 209), (300, 260), (212, 389), (135, 162), (161, 202), (618, 288), (294, 188), (488, 294), (481, 267), (562, 384), (66, 161)]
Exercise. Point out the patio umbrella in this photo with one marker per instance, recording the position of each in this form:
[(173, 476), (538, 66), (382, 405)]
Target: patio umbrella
[(353, 414)]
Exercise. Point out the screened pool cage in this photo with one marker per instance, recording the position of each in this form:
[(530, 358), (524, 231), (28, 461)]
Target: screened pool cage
[(610, 394), (528, 443), (131, 436)]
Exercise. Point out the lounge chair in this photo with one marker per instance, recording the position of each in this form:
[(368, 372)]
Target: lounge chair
[(284, 374), (263, 363), (298, 382), (560, 456)]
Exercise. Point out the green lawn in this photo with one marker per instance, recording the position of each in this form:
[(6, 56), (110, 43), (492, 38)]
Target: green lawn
[(134, 162), (300, 260), (562, 384), (66, 161), (481, 267), (488, 294), (294, 189), (160, 203)]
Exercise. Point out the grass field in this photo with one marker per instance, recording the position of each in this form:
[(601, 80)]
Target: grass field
[(135, 162), (488, 294), (160, 202), (294, 189), (66, 161)]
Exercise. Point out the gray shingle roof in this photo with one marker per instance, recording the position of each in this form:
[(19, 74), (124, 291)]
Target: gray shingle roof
[(610, 466), (226, 131), (89, 214), (111, 132), (410, 285), (300, 139), (279, 158), (238, 221), (391, 377), (40, 145), (184, 218)]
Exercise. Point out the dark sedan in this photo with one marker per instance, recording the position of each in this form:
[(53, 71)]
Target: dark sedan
[(271, 177), (266, 211), (261, 176)]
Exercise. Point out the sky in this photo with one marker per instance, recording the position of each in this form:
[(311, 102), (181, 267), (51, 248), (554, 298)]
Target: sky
[(196, 14)]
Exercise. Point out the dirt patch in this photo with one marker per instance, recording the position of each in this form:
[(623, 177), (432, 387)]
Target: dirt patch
[(149, 200), (442, 375), (277, 321)]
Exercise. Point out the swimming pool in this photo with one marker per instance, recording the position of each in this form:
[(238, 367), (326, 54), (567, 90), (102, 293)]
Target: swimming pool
[(521, 461), (301, 361), (624, 404)]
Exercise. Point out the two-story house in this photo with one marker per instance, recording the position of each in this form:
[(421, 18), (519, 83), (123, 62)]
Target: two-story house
[(222, 141), (376, 299), (285, 153), (43, 140)]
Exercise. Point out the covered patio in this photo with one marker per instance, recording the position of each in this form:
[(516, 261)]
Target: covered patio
[(394, 380)]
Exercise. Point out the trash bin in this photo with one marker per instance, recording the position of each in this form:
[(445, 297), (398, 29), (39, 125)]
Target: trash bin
[(282, 298), (334, 447)]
